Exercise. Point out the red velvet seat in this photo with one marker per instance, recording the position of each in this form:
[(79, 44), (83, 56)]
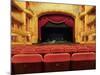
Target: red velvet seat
[(57, 50), (28, 50), (15, 51), (82, 48), (83, 61), (26, 63), (92, 48), (42, 50), (56, 62), (70, 49), (18, 46), (86, 48)]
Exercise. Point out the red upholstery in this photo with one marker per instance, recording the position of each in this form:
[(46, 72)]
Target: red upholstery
[(56, 62), (28, 50), (42, 50), (92, 48), (71, 48), (59, 57), (83, 56), (83, 61), (15, 51), (53, 48), (18, 46), (86, 48), (26, 63), (26, 58)]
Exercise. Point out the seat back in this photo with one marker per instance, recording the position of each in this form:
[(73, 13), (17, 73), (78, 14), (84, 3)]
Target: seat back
[(57, 62), (26, 63), (28, 50), (60, 50), (82, 61), (42, 50), (86, 48), (71, 48), (16, 49)]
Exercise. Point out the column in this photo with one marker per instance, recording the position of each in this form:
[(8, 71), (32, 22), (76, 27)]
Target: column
[(77, 24), (34, 27), (86, 28)]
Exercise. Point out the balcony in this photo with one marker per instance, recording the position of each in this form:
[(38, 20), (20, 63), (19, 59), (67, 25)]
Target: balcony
[(22, 7), (88, 9), (91, 19), (17, 17)]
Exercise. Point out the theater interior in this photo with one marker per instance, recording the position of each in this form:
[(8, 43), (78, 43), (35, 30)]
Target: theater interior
[(51, 37)]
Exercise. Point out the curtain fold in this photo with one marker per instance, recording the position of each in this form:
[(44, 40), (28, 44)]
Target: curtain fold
[(55, 18)]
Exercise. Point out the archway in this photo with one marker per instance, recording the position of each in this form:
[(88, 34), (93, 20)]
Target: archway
[(56, 28)]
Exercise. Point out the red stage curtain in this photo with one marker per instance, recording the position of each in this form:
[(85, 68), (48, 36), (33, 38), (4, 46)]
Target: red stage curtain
[(42, 21), (55, 18)]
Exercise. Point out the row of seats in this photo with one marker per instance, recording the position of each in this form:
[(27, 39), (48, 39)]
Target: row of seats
[(35, 63), (30, 50)]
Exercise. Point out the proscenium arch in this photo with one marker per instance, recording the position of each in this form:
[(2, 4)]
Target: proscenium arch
[(57, 12)]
